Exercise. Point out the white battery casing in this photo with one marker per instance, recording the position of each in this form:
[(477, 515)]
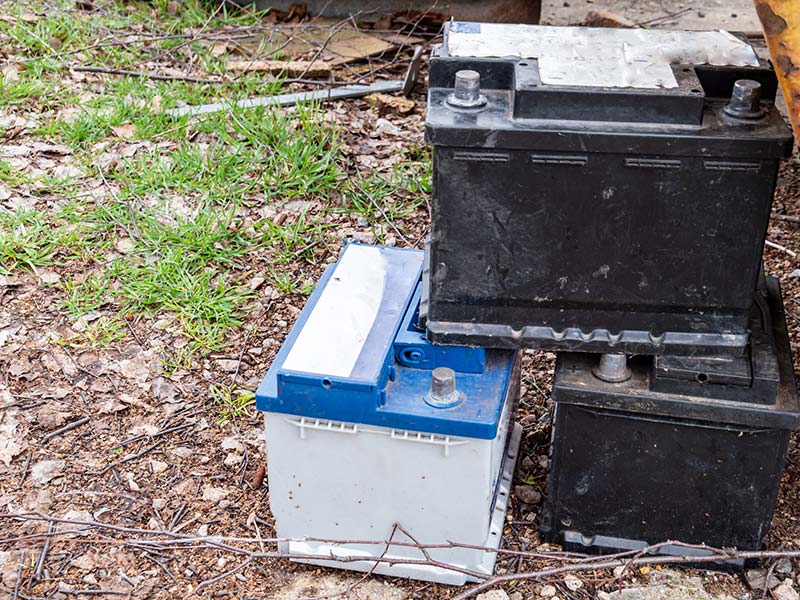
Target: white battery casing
[(343, 481)]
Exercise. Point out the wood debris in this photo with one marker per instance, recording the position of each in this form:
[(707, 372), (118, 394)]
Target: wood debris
[(290, 68)]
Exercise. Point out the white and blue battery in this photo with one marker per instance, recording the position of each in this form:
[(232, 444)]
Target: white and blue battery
[(369, 426)]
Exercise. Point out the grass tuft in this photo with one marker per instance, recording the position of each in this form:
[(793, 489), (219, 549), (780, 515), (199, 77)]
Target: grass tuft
[(233, 403)]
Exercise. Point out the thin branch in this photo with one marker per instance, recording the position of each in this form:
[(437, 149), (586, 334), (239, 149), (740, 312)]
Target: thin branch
[(789, 218), (143, 74), (160, 541), (791, 253), (717, 555), (68, 427)]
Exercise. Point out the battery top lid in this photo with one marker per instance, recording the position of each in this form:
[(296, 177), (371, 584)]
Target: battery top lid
[(355, 355), (536, 78), (600, 57), (350, 331)]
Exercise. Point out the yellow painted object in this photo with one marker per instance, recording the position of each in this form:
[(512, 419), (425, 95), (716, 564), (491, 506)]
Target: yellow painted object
[(780, 20)]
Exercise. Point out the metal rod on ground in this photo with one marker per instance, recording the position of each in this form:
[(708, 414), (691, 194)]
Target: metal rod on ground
[(351, 91)]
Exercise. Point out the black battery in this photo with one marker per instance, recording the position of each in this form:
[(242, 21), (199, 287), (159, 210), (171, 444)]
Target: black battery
[(691, 452), (569, 215)]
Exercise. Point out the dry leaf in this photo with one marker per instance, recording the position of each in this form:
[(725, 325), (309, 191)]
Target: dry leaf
[(8, 450), (49, 277), (47, 470), (10, 74), (386, 103), (126, 131), (125, 245)]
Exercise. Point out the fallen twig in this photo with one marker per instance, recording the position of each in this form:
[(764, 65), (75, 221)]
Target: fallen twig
[(37, 573), (718, 555), (161, 541), (791, 253), (153, 76), (127, 458), (65, 429)]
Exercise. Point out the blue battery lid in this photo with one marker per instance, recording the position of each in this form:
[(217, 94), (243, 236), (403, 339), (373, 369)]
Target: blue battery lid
[(355, 355)]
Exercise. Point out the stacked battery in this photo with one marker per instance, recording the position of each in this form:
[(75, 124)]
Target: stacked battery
[(605, 194), (602, 193)]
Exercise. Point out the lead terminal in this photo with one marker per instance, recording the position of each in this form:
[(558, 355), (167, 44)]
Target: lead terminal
[(443, 392), (467, 90), (612, 368), (745, 102)]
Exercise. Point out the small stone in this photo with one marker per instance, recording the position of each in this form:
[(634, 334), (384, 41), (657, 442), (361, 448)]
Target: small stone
[(528, 465), (49, 277), (493, 595), (256, 282), (214, 494), (156, 466), (132, 485), (227, 365), (180, 452), (384, 127), (527, 494), (231, 443), (606, 18), (757, 579), (547, 591), (233, 459), (783, 567), (573, 583), (794, 274), (785, 591)]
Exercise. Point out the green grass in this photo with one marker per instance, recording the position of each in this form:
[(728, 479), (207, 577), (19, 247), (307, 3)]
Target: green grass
[(83, 295), (178, 236), (295, 238), (61, 29), (25, 240), (232, 403), (190, 266), (140, 103), (390, 197), (44, 42), (9, 175), (101, 331), (18, 91), (29, 239), (205, 301), (297, 152), (187, 267)]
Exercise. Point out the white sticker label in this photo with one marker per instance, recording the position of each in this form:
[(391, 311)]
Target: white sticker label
[(334, 334), (601, 57)]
